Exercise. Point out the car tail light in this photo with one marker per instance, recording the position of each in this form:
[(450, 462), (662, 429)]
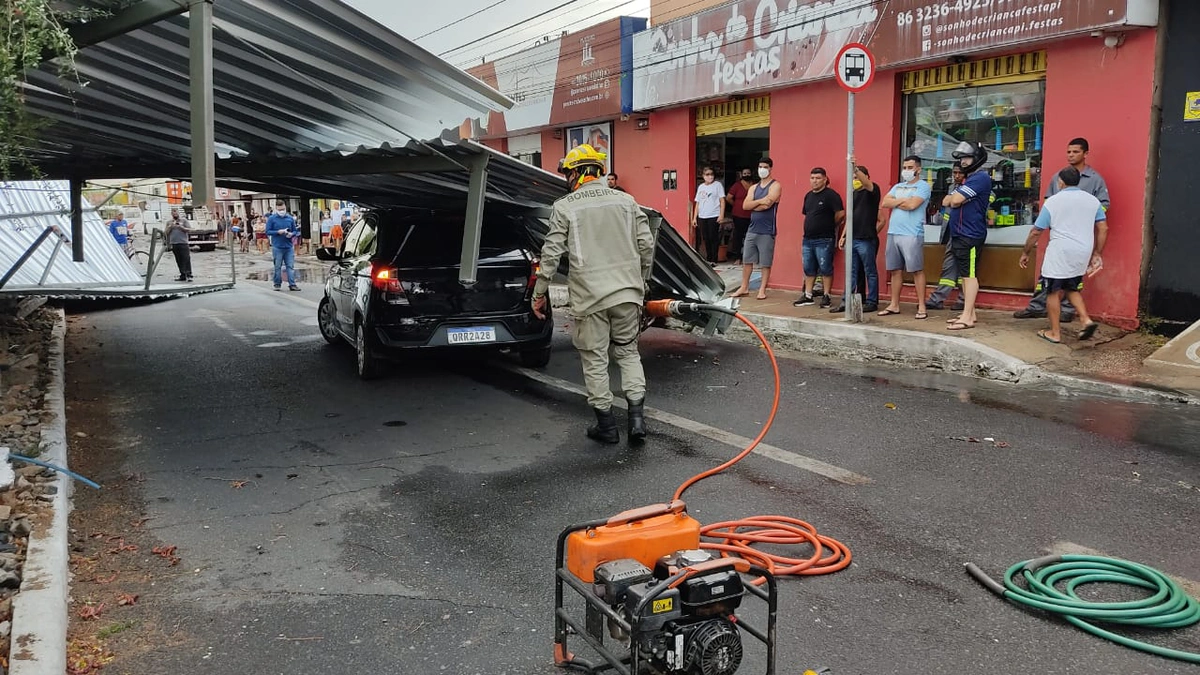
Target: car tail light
[(535, 266), (386, 279)]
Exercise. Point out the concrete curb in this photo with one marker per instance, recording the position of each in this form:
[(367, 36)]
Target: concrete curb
[(39, 629), (912, 349)]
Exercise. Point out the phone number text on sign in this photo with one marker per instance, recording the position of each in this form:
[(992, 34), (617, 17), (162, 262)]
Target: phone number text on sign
[(945, 9)]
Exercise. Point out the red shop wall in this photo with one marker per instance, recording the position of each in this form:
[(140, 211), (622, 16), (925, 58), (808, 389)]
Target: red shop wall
[(1118, 131), (808, 129), (552, 150), (634, 163), (669, 143)]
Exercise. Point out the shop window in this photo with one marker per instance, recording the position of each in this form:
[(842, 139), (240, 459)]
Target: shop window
[(531, 158), (1007, 120)]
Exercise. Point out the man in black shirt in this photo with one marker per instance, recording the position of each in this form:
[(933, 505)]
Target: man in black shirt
[(824, 212), (867, 225)]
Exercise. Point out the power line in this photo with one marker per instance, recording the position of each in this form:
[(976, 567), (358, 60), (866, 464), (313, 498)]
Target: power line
[(509, 27), (603, 43), (453, 23)]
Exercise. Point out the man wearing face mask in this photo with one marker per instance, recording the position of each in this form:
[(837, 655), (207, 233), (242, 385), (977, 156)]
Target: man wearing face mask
[(611, 249), (906, 234), (866, 226), (741, 217), (708, 212), (759, 247), (281, 227)]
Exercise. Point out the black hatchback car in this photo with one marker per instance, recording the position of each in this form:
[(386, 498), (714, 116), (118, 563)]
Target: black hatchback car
[(394, 286)]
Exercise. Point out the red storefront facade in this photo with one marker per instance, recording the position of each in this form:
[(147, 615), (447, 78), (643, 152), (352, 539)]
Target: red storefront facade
[(1022, 76), (576, 89)]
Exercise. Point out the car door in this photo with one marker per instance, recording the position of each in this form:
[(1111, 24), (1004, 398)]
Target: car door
[(343, 282)]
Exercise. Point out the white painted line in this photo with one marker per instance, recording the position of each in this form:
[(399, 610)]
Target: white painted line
[(1190, 587), (223, 324), (699, 428)]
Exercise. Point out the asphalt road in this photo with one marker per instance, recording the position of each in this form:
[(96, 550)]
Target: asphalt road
[(407, 525)]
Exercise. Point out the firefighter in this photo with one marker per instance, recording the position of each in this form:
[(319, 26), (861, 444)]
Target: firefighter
[(610, 247)]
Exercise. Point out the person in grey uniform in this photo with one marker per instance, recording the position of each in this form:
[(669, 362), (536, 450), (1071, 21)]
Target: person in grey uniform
[(611, 249), (1091, 182), (177, 238)]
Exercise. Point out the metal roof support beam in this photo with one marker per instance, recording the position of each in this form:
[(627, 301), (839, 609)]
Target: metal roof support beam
[(129, 19), (76, 219), (476, 193), (204, 154)]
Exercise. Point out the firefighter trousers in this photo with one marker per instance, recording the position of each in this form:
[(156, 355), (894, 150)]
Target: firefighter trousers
[(615, 329)]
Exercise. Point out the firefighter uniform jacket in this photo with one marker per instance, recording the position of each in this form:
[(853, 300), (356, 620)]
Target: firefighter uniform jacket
[(610, 247)]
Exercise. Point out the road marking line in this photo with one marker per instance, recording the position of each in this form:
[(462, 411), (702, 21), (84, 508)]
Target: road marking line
[(720, 435), (221, 323), (1190, 587)]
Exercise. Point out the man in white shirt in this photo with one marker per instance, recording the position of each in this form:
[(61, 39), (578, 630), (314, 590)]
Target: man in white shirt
[(709, 211), (1078, 231)]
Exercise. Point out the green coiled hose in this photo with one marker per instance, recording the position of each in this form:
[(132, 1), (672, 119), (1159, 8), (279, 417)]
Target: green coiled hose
[(1167, 607)]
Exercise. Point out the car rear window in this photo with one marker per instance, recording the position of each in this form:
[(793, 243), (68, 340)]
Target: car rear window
[(425, 242)]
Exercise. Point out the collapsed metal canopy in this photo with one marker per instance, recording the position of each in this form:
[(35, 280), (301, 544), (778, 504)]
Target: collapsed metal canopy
[(290, 76)]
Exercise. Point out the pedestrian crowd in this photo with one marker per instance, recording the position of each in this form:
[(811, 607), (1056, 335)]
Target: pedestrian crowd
[(1074, 214)]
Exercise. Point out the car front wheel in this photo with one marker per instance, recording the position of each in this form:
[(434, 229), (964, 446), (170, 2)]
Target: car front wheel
[(327, 321)]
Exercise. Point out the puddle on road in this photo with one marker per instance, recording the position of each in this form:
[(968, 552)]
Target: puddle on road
[(304, 276)]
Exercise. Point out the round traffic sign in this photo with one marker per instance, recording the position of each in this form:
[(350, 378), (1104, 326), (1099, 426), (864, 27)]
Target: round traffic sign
[(854, 67)]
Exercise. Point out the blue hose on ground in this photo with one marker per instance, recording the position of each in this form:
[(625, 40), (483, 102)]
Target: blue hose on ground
[(29, 460)]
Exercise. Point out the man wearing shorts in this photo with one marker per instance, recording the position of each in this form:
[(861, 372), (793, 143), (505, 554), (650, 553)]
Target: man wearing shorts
[(968, 225), (1078, 231), (906, 234), (759, 248), (824, 212)]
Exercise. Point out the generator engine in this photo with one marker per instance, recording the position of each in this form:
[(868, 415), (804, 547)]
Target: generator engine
[(688, 629)]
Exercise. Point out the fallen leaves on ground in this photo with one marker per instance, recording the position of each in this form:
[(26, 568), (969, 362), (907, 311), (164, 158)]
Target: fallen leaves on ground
[(89, 612), (890, 406), (166, 552), (122, 546), (107, 580), (127, 599), (88, 656), (238, 484)]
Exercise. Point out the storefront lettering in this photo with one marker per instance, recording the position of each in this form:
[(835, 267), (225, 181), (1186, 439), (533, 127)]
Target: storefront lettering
[(770, 30)]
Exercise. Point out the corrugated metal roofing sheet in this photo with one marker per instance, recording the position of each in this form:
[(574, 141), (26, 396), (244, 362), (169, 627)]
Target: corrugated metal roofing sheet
[(289, 76), (26, 210), (510, 181)]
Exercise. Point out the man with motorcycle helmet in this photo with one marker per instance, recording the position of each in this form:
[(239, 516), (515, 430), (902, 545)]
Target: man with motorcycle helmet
[(968, 205)]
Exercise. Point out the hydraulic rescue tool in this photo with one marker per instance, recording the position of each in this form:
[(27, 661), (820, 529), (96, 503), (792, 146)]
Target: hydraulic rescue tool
[(667, 599)]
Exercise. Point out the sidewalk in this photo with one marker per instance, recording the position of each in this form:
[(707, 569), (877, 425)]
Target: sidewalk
[(999, 347)]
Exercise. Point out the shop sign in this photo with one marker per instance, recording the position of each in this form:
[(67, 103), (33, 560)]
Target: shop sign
[(766, 43), (575, 78)]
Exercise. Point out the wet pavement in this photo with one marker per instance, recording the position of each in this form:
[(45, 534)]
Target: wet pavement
[(407, 525)]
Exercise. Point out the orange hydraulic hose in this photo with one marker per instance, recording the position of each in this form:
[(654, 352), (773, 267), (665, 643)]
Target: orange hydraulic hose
[(737, 537)]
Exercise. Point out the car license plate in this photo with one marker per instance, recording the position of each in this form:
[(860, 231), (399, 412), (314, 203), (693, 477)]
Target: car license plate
[(474, 334)]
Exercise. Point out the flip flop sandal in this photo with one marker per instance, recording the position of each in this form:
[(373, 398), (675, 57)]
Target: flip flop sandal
[(1047, 338), (959, 325), (740, 295), (1089, 331), (921, 315), (889, 312)]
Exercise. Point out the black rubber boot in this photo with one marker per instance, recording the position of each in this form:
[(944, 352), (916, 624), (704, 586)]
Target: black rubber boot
[(637, 421), (605, 429)]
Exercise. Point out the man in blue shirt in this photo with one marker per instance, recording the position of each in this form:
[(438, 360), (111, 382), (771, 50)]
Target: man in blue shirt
[(968, 225), (119, 229), (281, 227), (906, 234)]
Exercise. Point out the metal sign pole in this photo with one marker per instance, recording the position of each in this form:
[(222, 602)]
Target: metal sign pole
[(853, 309)]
